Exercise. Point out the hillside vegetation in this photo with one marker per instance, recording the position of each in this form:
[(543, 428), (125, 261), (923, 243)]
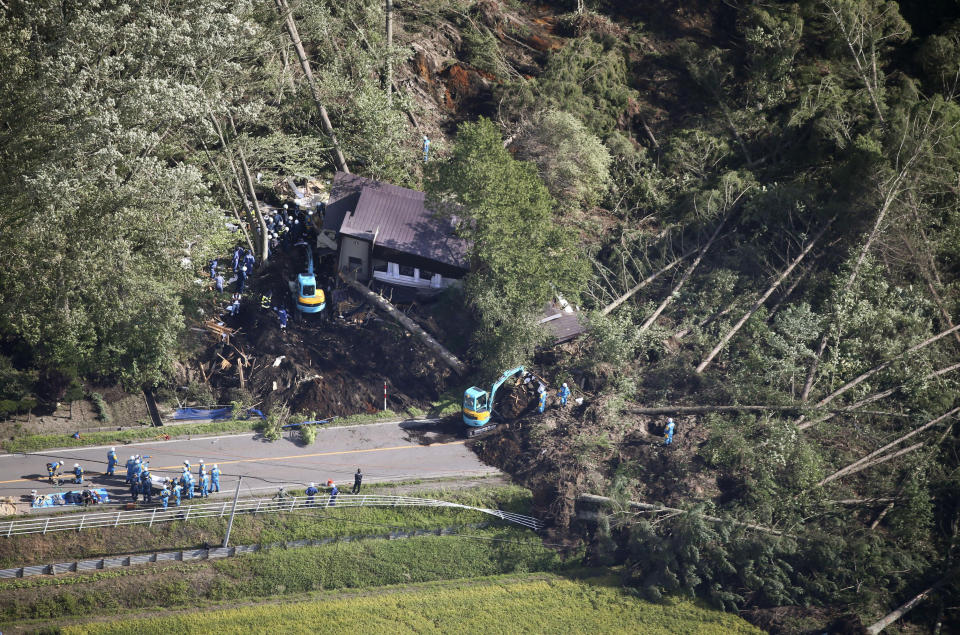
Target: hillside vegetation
[(755, 203)]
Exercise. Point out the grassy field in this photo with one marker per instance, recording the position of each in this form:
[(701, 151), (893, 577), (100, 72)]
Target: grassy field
[(262, 529), (536, 603), (357, 564)]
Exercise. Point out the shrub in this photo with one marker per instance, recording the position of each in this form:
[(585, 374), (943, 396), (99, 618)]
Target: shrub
[(103, 412), (308, 434)]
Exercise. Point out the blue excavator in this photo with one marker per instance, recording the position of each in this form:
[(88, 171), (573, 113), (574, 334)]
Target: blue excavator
[(310, 299), (478, 403)]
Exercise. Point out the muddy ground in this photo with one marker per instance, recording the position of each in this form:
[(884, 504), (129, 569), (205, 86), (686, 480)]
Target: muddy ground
[(334, 363)]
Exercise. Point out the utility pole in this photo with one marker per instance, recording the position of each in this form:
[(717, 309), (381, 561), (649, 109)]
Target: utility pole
[(233, 510), (389, 82)]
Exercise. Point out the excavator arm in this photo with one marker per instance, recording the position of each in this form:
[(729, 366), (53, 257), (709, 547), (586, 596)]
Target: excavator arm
[(504, 377)]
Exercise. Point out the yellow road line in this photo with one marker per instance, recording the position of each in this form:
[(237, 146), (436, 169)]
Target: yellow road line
[(281, 458)]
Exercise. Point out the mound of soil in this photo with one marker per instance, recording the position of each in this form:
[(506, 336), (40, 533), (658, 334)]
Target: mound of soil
[(322, 363)]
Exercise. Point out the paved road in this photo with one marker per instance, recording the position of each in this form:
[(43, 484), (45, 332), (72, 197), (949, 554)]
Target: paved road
[(384, 451)]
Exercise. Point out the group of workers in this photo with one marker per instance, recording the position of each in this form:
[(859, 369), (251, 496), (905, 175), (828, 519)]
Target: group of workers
[(207, 482), (287, 227), (140, 480), (55, 473), (563, 393)]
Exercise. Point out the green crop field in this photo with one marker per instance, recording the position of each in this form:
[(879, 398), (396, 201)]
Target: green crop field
[(541, 603)]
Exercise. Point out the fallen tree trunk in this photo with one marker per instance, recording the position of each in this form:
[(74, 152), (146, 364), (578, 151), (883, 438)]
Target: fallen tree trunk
[(863, 466), (876, 397), (699, 410), (287, 15), (903, 609), (756, 305), (679, 335), (851, 468), (372, 298), (683, 279), (876, 369), (604, 500), (653, 276)]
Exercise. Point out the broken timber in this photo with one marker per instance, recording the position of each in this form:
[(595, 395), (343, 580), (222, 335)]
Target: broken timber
[(381, 303)]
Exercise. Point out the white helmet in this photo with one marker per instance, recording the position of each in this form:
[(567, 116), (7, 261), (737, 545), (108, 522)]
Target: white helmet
[(201, 461), (76, 465), (131, 457), (113, 449), (59, 462), (313, 484), (186, 462), (669, 420), (215, 465), (564, 384), (244, 268), (285, 206)]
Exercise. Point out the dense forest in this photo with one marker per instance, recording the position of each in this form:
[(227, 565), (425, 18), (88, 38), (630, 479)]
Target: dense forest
[(756, 203)]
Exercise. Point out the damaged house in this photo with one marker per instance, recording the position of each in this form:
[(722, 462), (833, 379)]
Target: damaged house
[(386, 233)]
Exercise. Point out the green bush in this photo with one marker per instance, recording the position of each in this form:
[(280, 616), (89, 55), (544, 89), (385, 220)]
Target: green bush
[(481, 50), (103, 412), (308, 434)]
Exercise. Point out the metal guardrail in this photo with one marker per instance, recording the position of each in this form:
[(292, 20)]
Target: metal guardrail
[(155, 515), (211, 553)]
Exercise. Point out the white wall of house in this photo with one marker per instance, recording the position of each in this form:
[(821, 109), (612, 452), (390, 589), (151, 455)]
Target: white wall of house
[(355, 255), (408, 276)]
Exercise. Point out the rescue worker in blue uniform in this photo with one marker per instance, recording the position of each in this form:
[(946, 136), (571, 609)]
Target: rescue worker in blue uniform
[(204, 485), (282, 316), (668, 432), (333, 493), (543, 400), (111, 461), (186, 480), (311, 492), (236, 258), (77, 473), (564, 394), (165, 497), (215, 478), (177, 490), (130, 463), (146, 486)]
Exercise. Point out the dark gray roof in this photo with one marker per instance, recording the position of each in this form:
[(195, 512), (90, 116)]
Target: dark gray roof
[(344, 193), (392, 217), (566, 327)]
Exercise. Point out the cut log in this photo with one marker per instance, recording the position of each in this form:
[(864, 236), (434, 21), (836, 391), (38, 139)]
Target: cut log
[(438, 349), (756, 305)]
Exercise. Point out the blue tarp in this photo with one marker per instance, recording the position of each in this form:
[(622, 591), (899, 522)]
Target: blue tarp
[(70, 498), (190, 414)]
